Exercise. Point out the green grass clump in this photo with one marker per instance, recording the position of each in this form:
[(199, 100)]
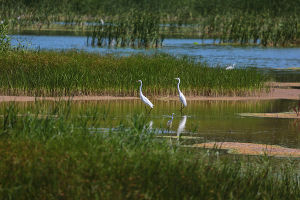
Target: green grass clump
[(242, 29), (73, 73), (59, 158), (264, 22), (135, 29), (4, 39)]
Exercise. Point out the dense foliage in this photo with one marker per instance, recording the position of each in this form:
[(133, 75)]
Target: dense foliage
[(193, 8), (269, 23), (73, 73), (4, 39), (51, 153)]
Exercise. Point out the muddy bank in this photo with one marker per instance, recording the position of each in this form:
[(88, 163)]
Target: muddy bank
[(276, 93)]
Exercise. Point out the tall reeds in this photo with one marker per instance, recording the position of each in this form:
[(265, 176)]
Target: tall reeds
[(73, 73), (134, 29), (268, 23), (4, 39), (251, 29)]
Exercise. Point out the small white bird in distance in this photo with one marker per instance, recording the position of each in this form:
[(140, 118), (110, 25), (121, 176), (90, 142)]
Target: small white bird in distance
[(230, 67), (143, 98), (181, 96)]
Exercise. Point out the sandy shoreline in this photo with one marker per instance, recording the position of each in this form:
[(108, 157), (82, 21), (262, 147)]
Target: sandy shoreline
[(276, 93)]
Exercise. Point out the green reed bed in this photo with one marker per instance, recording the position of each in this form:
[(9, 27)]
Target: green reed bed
[(73, 73), (45, 12), (247, 29), (4, 39), (135, 29), (264, 22), (60, 158)]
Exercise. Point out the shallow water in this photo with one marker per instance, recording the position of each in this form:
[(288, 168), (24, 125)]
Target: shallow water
[(208, 121), (247, 56)]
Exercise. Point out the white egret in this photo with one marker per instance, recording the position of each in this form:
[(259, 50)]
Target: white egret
[(143, 98), (181, 96), (230, 67)]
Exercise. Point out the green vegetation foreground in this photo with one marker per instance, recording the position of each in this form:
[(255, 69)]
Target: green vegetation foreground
[(52, 153), (78, 73)]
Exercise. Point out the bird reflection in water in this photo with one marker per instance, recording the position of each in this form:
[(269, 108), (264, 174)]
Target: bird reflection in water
[(169, 123), (150, 125), (181, 126)]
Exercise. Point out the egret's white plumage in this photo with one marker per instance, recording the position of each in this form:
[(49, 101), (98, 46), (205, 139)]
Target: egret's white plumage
[(230, 67), (143, 98), (181, 96)]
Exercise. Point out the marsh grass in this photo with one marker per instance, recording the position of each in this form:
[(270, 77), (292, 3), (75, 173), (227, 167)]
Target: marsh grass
[(134, 29), (78, 73), (242, 29), (4, 39), (263, 22), (58, 158)]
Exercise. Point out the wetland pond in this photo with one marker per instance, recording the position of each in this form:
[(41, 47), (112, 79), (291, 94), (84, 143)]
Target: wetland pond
[(202, 121), (197, 49)]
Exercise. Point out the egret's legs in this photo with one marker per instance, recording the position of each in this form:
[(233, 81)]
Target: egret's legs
[(148, 110), (181, 109)]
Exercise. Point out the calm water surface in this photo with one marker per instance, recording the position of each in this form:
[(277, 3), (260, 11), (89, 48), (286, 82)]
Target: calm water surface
[(197, 49), (208, 120)]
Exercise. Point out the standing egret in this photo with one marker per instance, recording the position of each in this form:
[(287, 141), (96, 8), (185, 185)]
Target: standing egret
[(143, 98), (230, 67), (181, 96)]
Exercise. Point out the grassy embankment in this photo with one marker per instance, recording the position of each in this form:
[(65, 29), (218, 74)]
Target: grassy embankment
[(269, 23), (55, 156), (73, 73)]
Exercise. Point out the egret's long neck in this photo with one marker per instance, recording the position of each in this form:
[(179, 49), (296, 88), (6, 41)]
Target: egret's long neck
[(141, 88), (178, 86)]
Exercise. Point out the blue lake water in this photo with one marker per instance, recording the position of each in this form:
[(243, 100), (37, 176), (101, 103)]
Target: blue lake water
[(206, 51)]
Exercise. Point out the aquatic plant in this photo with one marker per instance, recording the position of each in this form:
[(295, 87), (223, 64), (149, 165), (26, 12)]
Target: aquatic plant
[(4, 39), (60, 157), (251, 29), (262, 22), (133, 29), (79, 73)]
